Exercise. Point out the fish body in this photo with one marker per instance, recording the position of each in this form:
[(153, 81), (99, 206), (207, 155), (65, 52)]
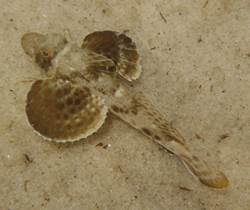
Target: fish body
[(84, 83)]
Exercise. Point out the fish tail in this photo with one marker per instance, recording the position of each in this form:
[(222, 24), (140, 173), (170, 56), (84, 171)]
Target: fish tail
[(198, 167)]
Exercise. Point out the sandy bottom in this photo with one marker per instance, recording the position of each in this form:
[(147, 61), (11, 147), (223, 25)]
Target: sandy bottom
[(196, 70)]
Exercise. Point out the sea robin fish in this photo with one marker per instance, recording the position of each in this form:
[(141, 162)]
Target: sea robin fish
[(84, 83)]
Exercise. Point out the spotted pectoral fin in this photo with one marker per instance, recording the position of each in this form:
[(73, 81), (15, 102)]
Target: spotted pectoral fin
[(119, 48), (62, 111)]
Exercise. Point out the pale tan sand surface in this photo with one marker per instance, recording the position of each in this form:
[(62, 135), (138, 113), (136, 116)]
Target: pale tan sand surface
[(196, 69)]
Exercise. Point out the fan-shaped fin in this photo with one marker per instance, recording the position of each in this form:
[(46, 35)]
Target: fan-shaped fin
[(61, 111), (118, 47)]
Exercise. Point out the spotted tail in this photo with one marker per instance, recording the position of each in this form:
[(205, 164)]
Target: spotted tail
[(138, 112), (198, 167)]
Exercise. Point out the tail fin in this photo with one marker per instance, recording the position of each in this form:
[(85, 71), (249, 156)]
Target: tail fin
[(198, 167)]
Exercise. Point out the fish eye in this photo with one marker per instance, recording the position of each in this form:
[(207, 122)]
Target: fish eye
[(45, 53)]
